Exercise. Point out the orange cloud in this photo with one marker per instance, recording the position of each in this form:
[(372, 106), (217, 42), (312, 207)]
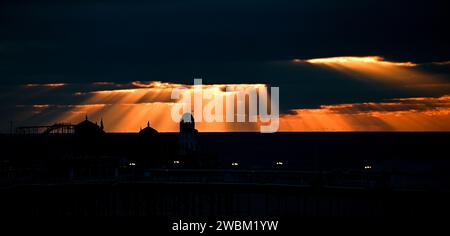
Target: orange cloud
[(377, 60), (128, 107), (125, 107), (126, 110), (405, 114), (46, 85), (378, 69)]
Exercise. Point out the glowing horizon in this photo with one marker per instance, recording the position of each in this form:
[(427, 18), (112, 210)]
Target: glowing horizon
[(128, 110), (127, 107), (403, 114), (355, 59)]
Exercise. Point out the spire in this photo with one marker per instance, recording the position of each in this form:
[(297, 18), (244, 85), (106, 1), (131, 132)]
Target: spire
[(148, 123), (101, 124), (86, 117)]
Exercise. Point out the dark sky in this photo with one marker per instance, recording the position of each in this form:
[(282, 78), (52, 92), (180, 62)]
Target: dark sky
[(122, 40), (230, 41)]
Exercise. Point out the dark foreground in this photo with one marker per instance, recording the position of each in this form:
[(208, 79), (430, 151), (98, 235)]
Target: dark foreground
[(235, 201), (323, 176)]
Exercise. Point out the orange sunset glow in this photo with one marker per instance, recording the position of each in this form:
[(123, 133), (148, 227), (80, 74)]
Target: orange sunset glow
[(378, 69), (410, 114), (46, 85), (128, 110), (129, 106), (376, 60)]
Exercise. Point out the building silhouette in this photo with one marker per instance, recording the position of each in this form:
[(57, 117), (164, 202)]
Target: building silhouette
[(88, 128), (187, 124), (90, 172), (148, 131), (188, 134)]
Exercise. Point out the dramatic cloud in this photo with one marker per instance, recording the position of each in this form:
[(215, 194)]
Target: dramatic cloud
[(376, 68), (123, 107), (128, 107), (46, 85), (75, 57), (406, 114), (361, 93), (374, 60)]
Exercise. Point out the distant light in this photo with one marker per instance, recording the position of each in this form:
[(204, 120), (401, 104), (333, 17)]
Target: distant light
[(367, 167), (297, 60), (235, 164), (279, 163), (132, 163), (176, 162), (375, 60)]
